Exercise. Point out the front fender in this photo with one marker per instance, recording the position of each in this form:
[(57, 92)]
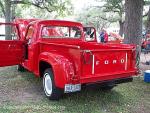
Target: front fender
[(63, 68)]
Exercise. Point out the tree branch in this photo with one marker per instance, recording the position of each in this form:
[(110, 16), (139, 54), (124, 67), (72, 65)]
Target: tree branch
[(103, 18), (34, 4)]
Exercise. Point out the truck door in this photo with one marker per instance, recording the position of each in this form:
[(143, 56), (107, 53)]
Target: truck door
[(11, 48), (29, 48)]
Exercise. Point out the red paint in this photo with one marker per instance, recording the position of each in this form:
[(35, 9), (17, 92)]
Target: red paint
[(73, 60)]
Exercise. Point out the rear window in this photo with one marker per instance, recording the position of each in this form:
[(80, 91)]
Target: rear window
[(8, 32), (61, 32)]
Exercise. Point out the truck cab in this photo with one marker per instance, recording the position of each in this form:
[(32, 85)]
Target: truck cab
[(66, 55)]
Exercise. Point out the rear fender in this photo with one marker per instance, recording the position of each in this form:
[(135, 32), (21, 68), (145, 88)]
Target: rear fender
[(62, 68)]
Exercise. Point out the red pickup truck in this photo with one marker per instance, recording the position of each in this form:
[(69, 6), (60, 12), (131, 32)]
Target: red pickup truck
[(65, 55)]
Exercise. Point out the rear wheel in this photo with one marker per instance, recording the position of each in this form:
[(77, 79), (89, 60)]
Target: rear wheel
[(20, 68), (50, 89)]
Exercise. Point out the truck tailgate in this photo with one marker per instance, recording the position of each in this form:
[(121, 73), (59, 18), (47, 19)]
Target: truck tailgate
[(100, 63)]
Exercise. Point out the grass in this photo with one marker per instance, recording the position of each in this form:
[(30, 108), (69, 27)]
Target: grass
[(22, 93)]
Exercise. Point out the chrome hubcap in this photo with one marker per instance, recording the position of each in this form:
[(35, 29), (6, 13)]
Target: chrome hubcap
[(48, 84)]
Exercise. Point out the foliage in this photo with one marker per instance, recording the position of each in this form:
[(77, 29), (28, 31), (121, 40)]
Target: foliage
[(146, 2), (93, 17), (2, 8), (38, 7), (118, 7), (113, 6)]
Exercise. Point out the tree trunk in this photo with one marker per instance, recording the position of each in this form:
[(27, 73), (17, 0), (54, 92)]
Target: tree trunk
[(133, 25), (148, 23), (133, 21), (121, 25), (7, 10), (7, 19)]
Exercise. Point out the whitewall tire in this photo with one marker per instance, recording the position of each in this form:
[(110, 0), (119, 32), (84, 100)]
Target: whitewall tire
[(50, 89)]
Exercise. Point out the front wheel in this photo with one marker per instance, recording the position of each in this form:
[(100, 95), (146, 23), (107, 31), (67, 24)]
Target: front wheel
[(51, 91)]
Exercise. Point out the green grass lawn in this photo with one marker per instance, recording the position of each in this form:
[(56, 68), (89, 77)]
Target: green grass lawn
[(22, 93)]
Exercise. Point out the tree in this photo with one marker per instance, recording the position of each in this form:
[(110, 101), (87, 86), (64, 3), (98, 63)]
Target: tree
[(59, 6), (133, 21), (7, 14), (6, 7), (117, 8), (133, 24), (146, 17), (148, 22), (93, 17), (2, 11)]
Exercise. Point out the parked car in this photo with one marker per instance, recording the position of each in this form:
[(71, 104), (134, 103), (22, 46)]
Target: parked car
[(115, 38)]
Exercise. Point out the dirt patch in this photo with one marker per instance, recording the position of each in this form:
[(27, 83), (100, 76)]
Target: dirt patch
[(19, 87)]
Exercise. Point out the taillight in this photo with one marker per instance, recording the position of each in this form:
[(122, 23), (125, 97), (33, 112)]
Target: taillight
[(87, 56)]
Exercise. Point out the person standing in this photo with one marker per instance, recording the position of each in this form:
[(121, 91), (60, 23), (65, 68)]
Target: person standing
[(101, 36)]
